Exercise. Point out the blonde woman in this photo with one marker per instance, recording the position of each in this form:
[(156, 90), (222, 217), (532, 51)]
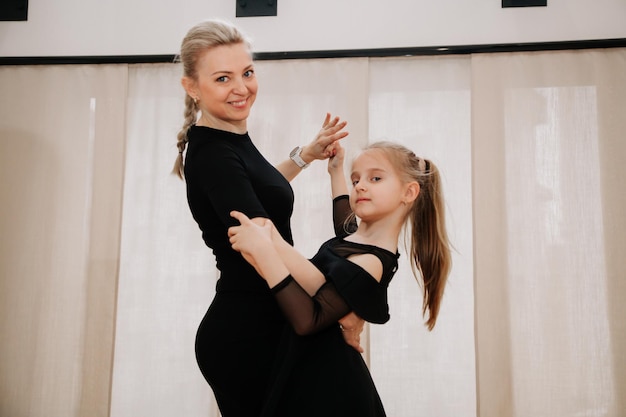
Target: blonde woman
[(239, 336)]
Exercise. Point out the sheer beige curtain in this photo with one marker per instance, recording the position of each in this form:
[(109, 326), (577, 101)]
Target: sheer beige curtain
[(104, 277), (61, 162), (548, 150)]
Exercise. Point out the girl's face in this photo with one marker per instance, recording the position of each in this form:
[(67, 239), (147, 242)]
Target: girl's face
[(377, 190), (226, 87)]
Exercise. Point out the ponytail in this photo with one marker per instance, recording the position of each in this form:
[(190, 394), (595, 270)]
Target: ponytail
[(430, 247)]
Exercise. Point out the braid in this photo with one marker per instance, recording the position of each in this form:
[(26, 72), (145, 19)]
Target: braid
[(191, 112)]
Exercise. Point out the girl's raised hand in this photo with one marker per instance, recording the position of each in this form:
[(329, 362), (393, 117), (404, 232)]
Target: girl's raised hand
[(335, 161)]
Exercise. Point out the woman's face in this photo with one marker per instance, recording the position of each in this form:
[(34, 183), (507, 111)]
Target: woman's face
[(226, 87)]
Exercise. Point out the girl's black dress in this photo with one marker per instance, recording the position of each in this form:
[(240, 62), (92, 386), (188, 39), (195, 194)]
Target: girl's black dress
[(321, 375), (238, 338)]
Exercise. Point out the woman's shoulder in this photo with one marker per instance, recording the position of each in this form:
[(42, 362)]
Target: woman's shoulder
[(202, 137)]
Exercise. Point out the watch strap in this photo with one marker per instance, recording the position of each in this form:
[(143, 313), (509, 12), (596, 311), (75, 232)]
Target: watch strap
[(296, 158)]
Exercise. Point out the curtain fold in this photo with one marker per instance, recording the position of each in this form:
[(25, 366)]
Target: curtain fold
[(61, 156), (104, 277), (549, 333)]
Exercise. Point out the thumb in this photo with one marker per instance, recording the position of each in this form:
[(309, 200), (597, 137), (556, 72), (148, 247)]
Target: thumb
[(239, 216), (268, 224)]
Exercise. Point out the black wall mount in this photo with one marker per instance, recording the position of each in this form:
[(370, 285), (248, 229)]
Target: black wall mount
[(524, 3), (251, 8), (13, 10)]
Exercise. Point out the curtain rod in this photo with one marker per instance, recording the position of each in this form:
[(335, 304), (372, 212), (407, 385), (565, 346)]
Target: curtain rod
[(345, 53)]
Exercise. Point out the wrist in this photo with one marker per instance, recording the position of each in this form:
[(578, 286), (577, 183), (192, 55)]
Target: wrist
[(280, 245), (268, 262), (305, 155), (335, 170), (296, 156)]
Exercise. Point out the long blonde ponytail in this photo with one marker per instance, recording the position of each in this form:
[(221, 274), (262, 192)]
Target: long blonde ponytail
[(429, 247)]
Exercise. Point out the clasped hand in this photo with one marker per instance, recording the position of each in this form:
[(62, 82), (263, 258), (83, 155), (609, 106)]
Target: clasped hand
[(251, 237), (323, 145)]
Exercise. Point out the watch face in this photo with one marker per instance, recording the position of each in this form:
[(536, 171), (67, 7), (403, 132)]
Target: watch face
[(294, 152)]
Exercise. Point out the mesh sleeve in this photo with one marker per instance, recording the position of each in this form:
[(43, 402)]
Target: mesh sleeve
[(343, 218), (307, 314)]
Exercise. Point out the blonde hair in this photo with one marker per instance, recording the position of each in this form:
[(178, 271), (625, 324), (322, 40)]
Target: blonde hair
[(429, 247), (199, 39)]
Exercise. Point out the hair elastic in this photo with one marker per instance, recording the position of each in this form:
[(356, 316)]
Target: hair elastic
[(421, 163)]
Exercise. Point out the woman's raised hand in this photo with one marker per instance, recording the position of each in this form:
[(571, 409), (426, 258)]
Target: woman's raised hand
[(322, 146)]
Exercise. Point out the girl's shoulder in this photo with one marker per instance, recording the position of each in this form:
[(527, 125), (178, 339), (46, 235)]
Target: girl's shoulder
[(345, 249)]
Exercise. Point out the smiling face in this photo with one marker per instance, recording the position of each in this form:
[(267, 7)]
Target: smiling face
[(377, 189), (225, 88)]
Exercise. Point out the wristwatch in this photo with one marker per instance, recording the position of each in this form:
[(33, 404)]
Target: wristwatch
[(295, 157)]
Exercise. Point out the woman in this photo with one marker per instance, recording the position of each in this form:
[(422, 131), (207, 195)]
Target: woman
[(238, 337), (392, 188)]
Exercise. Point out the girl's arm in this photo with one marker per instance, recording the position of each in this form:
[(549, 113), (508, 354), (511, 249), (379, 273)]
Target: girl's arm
[(302, 270), (319, 148), (338, 183), (344, 220), (274, 258), (351, 324), (306, 314), (253, 239)]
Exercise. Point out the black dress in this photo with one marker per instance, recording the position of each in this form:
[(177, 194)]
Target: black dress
[(321, 375), (238, 337)]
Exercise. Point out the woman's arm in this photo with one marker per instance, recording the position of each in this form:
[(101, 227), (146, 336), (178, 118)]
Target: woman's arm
[(318, 148)]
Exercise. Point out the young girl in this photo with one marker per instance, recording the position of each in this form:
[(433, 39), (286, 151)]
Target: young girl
[(391, 188)]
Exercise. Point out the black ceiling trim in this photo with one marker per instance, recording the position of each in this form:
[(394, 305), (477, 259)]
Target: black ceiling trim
[(345, 53)]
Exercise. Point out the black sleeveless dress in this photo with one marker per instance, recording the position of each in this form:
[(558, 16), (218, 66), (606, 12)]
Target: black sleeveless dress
[(321, 375), (238, 338)]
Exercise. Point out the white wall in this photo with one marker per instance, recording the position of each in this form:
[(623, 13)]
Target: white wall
[(144, 27)]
